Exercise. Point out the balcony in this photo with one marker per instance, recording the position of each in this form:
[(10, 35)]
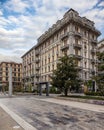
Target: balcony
[(37, 60), (32, 76), (66, 46), (37, 75), (94, 41), (48, 55), (79, 68), (93, 60), (76, 45), (29, 62), (79, 57), (37, 53), (63, 36), (37, 68), (57, 52), (101, 72), (93, 51), (93, 72), (77, 34)]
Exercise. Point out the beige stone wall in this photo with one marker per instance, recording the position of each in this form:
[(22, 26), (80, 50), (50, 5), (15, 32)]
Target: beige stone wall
[(73, 35), (16, 73)]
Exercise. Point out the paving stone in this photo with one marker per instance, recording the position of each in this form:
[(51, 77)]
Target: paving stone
[(51, 116)]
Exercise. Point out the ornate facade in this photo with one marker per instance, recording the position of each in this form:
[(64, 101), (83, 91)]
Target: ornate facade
[(101, 46), (73, 35)]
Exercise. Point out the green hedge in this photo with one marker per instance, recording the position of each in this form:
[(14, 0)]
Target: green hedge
[(95, 93)]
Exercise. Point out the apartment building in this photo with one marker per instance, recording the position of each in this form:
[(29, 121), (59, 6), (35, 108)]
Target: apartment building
[(101, 49), (101, 46), (16, 74), (73, 35), (29, 69)]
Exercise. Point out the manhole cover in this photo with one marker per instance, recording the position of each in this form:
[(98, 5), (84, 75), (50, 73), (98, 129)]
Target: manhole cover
[(16, 127)]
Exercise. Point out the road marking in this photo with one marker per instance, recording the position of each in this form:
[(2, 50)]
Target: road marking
[(18, 119)]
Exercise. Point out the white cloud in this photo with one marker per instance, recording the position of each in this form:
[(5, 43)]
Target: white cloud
[(96, 15), (20, 27), (17, 5), (101, 4), (10, 58), (1, 13)]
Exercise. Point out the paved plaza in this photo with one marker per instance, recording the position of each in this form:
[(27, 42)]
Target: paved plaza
[(45, 113)]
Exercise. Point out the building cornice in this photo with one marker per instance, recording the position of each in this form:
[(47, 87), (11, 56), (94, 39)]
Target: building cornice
[(28, 52), (70, 16)]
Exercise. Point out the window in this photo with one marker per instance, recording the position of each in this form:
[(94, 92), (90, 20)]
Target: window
[(85, 53), (85, 33), (52, 67), (65, 41), (76, 62), (85, 75), (76, 41), (85, 64), (45, 69), (65, 30), (49, 68), (85, 47), (42, 62), (45, 61), (6, 74), (92, 36), (53, 58), (57, 36), (48, 60), (76, 28), (76, 52)]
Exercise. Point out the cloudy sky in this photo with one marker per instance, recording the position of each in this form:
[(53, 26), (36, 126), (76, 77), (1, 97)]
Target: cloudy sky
[(23, 21)]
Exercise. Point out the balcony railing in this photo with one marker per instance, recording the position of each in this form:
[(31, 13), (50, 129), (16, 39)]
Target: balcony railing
[(63, 36), (101, 72), (37, 68), (93, 51), (37, 60), (57, 52), (94, 41), (93, 60), (37, 75), (93, 72), (77, 46), (66, 46), (78, 56), (77, 34), (37, 53), (79, 68)]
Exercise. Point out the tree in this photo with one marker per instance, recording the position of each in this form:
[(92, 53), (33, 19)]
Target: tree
[(100, 76), (66, 74)]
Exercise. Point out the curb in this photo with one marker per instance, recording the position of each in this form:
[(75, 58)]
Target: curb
[(97, 102)]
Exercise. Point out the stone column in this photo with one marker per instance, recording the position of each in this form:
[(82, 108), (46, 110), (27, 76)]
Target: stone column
[(10, 81)]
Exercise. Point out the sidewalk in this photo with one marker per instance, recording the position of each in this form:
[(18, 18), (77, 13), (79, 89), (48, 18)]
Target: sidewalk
[(7, 123)]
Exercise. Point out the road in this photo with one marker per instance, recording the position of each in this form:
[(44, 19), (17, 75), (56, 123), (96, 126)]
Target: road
[(44, 113)]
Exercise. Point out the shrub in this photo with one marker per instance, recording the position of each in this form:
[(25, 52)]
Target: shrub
[(95, 93)]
